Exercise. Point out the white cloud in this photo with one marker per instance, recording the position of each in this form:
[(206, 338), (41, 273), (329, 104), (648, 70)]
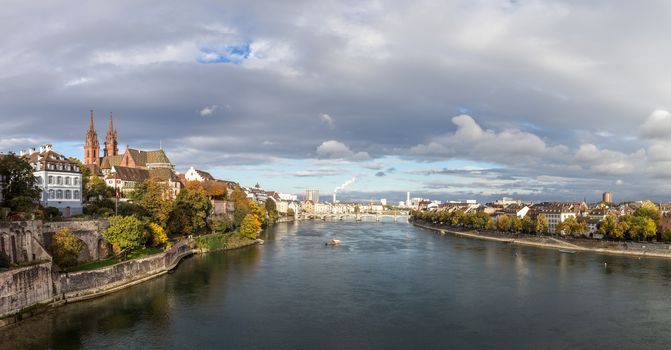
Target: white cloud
[(179, 52), (78, 81), (658, 125), (208, 111), (328, 120), (338, 150)]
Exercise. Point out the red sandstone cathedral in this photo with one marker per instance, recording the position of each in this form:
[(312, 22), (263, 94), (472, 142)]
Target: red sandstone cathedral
[(124, 171)]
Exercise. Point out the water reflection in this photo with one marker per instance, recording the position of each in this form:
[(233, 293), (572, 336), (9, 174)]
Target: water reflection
[(388, 286)]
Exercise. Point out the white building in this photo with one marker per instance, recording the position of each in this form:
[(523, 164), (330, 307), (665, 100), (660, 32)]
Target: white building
[(556, 216), (59, 179), (383, 201), (197, 175)]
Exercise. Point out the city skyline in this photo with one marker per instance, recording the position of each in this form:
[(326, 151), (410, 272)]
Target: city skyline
[(532, 100)]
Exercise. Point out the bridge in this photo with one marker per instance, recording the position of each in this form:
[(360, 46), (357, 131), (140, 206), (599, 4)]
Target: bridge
[(396, 216)]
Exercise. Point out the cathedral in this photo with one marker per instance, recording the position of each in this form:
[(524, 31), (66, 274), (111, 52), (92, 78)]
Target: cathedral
[(125, 171)]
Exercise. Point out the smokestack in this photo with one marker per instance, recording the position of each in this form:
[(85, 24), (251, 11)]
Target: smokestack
[(334, 197)]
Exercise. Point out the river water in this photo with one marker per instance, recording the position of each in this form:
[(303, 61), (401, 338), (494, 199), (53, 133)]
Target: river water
[(388, 286)]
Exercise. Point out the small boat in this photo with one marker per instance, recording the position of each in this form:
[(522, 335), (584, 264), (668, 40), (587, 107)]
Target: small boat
[(333, 242), (567, 251)]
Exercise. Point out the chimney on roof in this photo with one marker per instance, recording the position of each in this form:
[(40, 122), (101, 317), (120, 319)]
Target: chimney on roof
[(32, 150)]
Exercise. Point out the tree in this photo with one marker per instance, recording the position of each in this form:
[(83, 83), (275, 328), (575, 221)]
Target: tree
[(190, 212), (290, 212), (126, 232), (515, 223), (607, 226), (19, 189), (250, 226), (527, 225), (568, 226), (271, 209), (620, 229), (480, 220), (457, 217), (223, 225), (158, 236), (66, 248), (154, 196), (541, 226), (241, 204), (97, 188), (503, 223)]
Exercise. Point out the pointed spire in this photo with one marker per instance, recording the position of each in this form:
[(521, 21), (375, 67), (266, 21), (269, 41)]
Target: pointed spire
[(111, 123), (91, 121)]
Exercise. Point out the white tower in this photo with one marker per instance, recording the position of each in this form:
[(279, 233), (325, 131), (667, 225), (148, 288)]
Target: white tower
[(407, 199)]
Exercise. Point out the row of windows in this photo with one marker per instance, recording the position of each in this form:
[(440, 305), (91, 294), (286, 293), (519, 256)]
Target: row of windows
[(66, 167), (60, 194), (60, 180)]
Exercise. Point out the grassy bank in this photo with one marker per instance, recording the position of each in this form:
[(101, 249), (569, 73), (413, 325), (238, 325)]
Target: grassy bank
[(136, 254), (219, 241)]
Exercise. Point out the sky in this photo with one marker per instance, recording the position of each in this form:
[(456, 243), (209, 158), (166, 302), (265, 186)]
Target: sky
[(451, 100)]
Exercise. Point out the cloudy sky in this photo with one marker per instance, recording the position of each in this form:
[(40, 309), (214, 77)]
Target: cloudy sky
[(556, 100)]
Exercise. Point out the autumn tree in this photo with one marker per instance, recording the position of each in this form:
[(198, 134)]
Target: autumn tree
[(66, 248), (503, 223), (607, 226), (19, 188), (125, 233), (241, 204), (515, 223), (541, 226), (154, 197), (527, 225), (190, 212), (98, 189), (250, 226), (158, 235)]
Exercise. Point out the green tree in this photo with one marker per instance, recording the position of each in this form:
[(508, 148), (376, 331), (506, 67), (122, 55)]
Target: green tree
[(271, 209), (457, 217), (503, 223), (541, 226), (250, 226), (19, 189), (97, 188), (126, 232), (223, 225), (154, 196), (568, 227), (190, 212), (66, 248), (480, 220)]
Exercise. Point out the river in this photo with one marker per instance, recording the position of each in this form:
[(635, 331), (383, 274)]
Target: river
[(388, 286)]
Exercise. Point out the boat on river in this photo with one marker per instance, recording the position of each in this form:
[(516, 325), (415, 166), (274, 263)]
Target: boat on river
[(567, 251), (333, 242)]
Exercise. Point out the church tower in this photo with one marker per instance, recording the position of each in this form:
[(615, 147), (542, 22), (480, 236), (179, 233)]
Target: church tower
[(92, 146), (111, 148)]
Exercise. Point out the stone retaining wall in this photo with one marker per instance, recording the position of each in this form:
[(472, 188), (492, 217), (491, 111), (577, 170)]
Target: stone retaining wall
[(23, 287)]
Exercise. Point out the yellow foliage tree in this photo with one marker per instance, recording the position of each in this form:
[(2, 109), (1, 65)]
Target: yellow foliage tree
[(250, 226), (158, 235)]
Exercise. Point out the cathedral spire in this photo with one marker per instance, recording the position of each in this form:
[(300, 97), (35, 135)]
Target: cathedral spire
[(111, 148), (92, 146)]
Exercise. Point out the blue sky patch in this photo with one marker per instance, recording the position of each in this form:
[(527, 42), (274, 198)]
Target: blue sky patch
[(235, 54)]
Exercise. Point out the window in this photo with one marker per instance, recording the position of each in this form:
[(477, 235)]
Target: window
[(75, 181), (52, 194), (51, 180), (59, 180), (68, 194), (75, 194), (59, 194), (67, 180), (39, 180)]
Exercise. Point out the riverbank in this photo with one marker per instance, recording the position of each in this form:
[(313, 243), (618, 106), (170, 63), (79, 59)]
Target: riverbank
[(579, 245), (27, 293)]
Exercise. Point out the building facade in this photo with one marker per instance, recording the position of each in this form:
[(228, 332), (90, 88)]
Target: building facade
[(59, 179), (312, 195)]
